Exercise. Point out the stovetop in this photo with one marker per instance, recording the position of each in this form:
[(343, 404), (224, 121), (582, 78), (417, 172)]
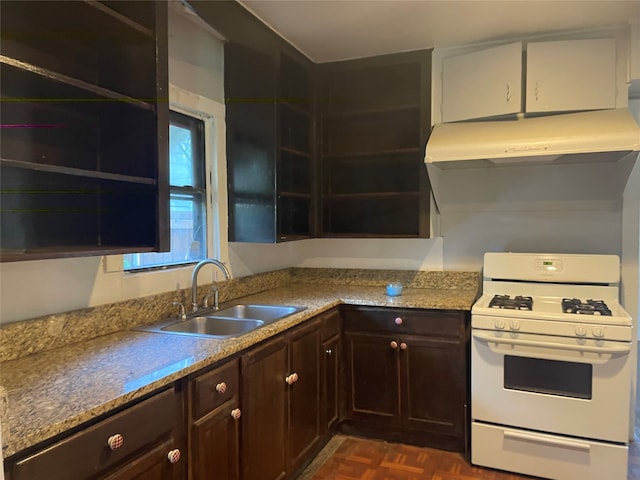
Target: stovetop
[(559, 295), (552, 308)]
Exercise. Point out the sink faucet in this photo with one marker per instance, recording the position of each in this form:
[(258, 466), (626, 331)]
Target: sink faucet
[(194, 280)]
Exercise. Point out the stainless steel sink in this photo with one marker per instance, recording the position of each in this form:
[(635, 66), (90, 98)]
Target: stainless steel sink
[(266, 313), (227, 322), (213, 326)]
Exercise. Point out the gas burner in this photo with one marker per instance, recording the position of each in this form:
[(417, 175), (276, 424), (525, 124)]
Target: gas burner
[(590, 307), (517, 303)]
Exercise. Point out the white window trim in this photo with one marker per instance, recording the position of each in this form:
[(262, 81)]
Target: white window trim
[(212, 113)]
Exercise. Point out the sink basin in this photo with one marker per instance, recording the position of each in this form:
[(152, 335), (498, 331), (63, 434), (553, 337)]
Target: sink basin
[(266, 313), (228, 322), (214, 326)]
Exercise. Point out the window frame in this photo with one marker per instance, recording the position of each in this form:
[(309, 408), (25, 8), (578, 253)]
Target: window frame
[(192, 123), (212, 113)]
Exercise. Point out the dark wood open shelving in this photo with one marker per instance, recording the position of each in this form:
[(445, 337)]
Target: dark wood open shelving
[(309, 132), (85, 128), (374, 123)]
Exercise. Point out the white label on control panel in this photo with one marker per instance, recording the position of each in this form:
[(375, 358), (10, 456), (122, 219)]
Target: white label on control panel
[(549, 265)]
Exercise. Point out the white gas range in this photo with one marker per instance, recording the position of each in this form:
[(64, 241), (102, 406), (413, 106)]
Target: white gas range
[(550, 367)]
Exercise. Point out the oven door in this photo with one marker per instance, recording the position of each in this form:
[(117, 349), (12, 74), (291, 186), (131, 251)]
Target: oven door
[(569, 386)]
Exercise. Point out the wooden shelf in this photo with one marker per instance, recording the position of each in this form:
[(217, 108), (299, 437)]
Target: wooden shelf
[(296, 152), (294, 195), (371, 111), (67, 251), (99, 93), (296, 106), (372, 153), (76, 172), (372, 195), (120, 19)]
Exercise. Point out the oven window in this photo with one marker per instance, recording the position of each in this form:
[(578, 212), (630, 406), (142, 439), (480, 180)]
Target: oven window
[(553, 377)]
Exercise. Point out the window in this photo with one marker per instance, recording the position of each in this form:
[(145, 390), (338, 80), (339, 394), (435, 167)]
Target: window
[(188, 199)]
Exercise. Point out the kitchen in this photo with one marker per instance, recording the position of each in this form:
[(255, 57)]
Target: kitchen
[(495, 225)]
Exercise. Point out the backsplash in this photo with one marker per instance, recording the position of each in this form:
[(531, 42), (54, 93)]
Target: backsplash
[(372, 277), (22, 338), (51, 331)]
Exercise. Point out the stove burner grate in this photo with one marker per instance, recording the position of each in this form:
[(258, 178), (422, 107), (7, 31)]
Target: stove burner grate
[(517, 303), (590, 307)]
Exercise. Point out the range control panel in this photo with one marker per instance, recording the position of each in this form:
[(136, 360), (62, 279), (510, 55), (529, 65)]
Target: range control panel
[(549, 265)]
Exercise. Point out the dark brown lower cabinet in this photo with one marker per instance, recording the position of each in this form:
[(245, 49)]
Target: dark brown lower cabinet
[(303, 433), (281, 404), (215, 426), (142, 442), (406, 375), (264, 407)]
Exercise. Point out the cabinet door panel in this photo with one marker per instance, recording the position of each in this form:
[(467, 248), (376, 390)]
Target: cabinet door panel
[(482, 84), (571, 75), (264, 411), (433, 384), (373, 387), (152, 465), (215, 445), (304, 394), (332, 353)]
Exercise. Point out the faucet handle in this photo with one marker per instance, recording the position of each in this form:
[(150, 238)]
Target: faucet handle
[(183, 313), (214, 292)]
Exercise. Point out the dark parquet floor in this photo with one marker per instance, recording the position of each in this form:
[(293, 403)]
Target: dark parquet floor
[(352, 458)]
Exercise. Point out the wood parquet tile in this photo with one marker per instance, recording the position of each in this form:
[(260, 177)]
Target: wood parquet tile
[(366, 459)]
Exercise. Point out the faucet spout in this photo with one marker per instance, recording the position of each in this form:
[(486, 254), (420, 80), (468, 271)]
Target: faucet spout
[(194, 279)]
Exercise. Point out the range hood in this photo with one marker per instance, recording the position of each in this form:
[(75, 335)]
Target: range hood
[(594, 136)]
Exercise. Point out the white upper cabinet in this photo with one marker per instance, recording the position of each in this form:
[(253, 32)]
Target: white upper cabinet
[(550, 76), (571, 75), (482, 84)]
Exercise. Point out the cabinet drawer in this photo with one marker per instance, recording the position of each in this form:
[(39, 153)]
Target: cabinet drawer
[(213, 388), (87, 453), (404, 321), (331, 324)]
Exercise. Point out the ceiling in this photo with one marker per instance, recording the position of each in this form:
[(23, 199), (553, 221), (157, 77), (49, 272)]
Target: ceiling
[(329, 30)]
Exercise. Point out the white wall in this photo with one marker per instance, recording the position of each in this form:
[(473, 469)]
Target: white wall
[(401, 254), (529, 208), (196, 55)]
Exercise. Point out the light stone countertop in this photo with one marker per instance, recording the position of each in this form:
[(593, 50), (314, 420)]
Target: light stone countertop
[(52, 391)]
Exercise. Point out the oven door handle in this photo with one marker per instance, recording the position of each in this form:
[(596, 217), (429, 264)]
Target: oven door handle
[(556, 442), (487, 337)]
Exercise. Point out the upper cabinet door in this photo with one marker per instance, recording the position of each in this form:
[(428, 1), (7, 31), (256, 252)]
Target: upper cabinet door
[(482, 84), (571, 75)]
